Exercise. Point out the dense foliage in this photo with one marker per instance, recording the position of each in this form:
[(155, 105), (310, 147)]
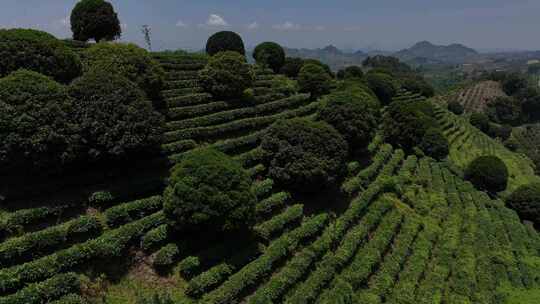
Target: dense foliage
[(292, 67), (113, 115), (405, 123), (95, 19), (35, 122), (304, 155), (225, 41), (382, 85), (513, 83), (480, 121), (387, 63), (226, 75), (456, 107), (499, 131), (355, 118), (417, 85), (504, 110), (434, 144), (526, 202), (488, 173), (208, 190), (130, 61), (37, 51), (270, 54), (314, 79), (326, 67), (353, 72)]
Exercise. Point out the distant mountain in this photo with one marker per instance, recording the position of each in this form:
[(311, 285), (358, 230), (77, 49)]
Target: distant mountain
[(331, 55), (426, 52)]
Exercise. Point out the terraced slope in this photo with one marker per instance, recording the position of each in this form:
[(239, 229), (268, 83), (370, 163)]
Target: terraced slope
[(467, 143), (195, 119), (414, 232)]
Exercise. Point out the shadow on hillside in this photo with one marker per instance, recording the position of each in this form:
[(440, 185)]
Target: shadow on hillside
[(70, 191)]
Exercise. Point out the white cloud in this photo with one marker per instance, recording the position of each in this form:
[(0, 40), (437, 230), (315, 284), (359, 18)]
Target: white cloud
[(124, 26), (253, 26), (319, 28), (216, 20), (287, 26), (180, 23)]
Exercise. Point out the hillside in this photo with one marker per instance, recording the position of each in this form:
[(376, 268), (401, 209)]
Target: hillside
[(427, 53), (412, 231), (475, 97)]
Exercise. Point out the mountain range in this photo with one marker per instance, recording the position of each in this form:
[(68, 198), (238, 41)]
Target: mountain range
[(423, 52)]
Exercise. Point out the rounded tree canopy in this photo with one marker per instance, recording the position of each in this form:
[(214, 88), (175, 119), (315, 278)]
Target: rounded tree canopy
[(455, 107), (526, 202), (480, 120), (37, 51), (314, 79), (355, 116), (405, 123), (227, 75), (304, 155), (353, 72), (130, 61), (434, 144), (114, 116), (270, 54), (382, 85), (225, 41), (292, 67), (35, 122), (488, 173), (95, 19), (326, 67), (208, 190)]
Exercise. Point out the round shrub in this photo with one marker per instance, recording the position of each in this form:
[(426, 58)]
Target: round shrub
[(382, 85), (292, 67), (455, 107), (304, 155), (225, 41), (227, 75), (35, 122), (434, 144), (130, 61), (37, 51), (355, 118), (95, 19), (209, 190), (418, 85), (405, 123), (326, 67), (113, 116), (353, 72), (480, 121), (526, 202), (504, 110), (314, 79), (488, 173), (500, 131), (270, 54)]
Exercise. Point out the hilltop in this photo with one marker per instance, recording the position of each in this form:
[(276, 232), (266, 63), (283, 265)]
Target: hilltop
[(427, 52)]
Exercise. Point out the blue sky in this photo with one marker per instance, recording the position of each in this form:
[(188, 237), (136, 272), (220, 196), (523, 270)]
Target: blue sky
[(352, 24)]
